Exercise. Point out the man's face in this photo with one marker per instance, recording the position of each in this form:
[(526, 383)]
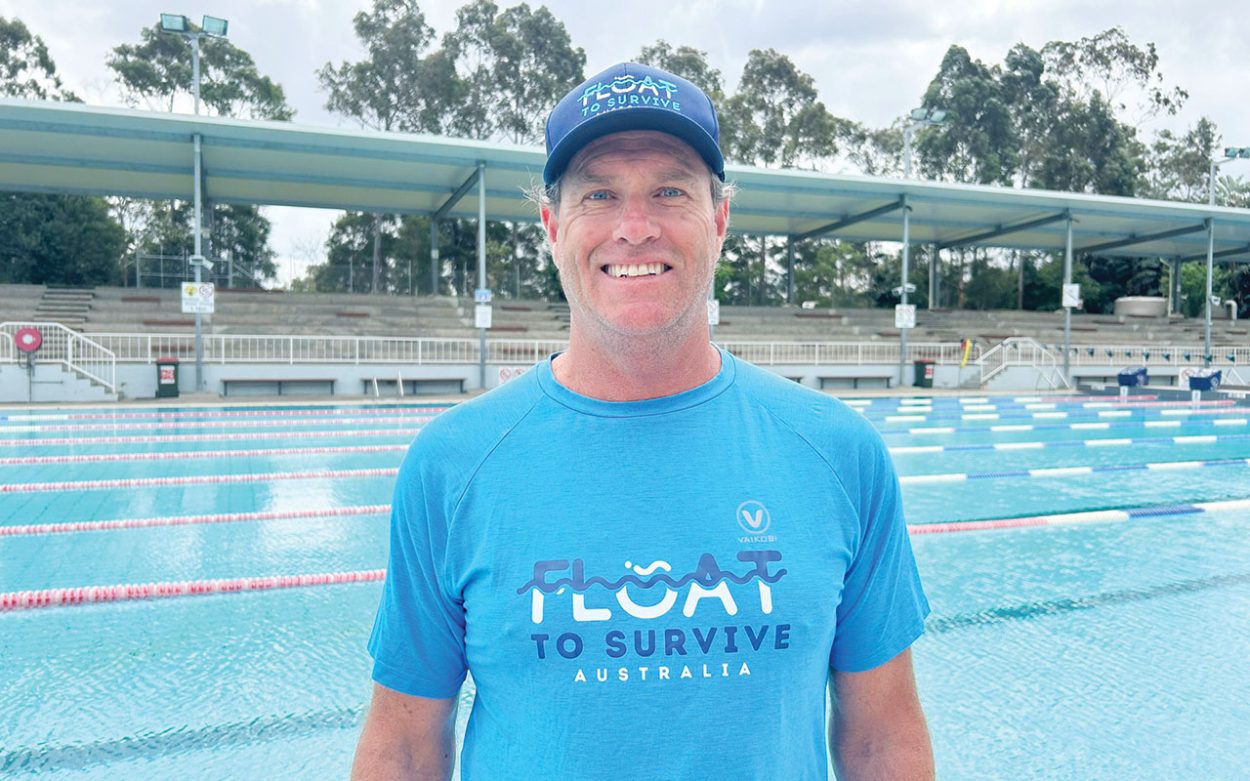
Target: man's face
[(636, 236)]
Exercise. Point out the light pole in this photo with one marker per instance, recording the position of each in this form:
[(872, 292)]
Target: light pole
[(919, 117), (1230, 153), (210, 27)]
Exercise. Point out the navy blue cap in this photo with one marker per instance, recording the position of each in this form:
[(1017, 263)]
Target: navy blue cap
[(630, 96)]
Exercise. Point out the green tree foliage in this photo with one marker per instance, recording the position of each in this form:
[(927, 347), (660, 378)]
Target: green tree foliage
[(26, 68), (56, 239), (978, 141), (400, 85), (689, 63), (158, 70), (775, 118), (515, 65)]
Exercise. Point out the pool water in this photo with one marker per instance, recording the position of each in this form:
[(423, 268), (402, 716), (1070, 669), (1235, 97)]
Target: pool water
[(1109, 646)]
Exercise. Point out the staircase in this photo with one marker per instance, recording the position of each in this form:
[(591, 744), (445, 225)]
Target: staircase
[(68, 306)]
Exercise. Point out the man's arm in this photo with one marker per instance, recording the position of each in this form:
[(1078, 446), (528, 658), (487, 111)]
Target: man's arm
[(878, 731), (406, 737)]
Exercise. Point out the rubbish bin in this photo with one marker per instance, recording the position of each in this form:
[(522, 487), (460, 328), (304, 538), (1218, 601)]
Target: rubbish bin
[(166, 378), (1133, 377), (924, 374), (1205, 380)]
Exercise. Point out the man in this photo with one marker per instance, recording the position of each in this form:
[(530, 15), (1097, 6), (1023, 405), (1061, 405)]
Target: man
[(653, 557)]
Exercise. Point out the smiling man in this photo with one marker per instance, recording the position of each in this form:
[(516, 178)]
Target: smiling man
[(654, 559)]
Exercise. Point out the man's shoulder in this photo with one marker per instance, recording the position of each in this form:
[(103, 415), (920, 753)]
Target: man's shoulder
[(472, 428), (795, 402)]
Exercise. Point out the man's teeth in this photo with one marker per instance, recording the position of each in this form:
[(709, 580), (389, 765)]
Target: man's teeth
[(638, 270)]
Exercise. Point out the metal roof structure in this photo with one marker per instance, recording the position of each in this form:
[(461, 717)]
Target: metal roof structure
[(72, 148)]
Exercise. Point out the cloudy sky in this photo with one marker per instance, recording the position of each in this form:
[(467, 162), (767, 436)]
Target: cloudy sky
[(871, 60)]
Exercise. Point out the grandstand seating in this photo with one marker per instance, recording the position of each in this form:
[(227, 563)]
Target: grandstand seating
[(148, 310)]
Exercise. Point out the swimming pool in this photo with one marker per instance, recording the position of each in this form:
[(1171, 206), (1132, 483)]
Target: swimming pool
[(1086, 561)]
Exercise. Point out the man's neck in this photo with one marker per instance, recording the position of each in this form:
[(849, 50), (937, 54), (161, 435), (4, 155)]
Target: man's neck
[(636, 371)]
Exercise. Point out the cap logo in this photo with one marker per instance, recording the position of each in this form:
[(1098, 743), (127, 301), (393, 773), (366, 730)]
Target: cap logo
[(626, 91)]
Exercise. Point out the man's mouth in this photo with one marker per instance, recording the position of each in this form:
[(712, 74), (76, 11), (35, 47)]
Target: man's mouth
[(622, 270)]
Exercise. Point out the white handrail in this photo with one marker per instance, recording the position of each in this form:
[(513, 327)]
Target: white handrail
[(72, 350), (8, 348)]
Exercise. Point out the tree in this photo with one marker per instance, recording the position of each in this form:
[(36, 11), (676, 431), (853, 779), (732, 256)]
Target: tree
[(1177, 166), (520, 53), (58, 239), (977, 142), (158, 70), (775, 118), (26, 68), (689, 63)]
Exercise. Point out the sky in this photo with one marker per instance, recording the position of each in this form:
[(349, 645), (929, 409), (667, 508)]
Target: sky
[(871, 60)]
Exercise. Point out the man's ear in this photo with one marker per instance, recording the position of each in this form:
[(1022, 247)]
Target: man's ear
[(551, 223)]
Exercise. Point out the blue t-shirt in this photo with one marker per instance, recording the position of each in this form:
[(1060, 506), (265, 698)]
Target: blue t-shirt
[(649, 589)]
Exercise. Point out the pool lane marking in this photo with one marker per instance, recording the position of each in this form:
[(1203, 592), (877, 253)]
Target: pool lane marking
[(149, 439), (1102, 425), (230, 413), (151, 482), (1076, 518), (1203, 439), (1066, 471), (183, 454), (173, 424), (125, 592), (71, 527)]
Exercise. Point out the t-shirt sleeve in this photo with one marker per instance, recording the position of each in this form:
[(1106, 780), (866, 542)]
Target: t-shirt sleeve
[(883, 605), (417, 642)]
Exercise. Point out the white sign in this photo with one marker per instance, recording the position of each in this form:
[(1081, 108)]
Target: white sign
[(1072, 296), (198, 298), (904, 315), (482, 295), (713, 312), (481, 316)]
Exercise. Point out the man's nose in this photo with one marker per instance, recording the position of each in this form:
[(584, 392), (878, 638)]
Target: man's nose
[(637, 223)]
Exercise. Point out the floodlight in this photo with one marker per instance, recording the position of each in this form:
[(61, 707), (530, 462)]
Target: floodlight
[(214, 26), (175, 23), (919, 114), (938, 115)]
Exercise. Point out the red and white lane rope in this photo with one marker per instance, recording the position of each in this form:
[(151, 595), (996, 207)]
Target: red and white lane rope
[(184, 454), (177, 424), (67, 527), (124, 592), (230, 413), (162, 438), (149, 482)]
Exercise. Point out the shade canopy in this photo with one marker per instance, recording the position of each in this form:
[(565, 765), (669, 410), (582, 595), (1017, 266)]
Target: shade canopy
[(72, 148)]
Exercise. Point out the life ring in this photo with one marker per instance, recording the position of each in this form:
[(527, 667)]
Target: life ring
[(28, 339)]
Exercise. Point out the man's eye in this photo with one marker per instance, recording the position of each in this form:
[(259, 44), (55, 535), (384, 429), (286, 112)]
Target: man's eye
[(598, 195), (669, 192)]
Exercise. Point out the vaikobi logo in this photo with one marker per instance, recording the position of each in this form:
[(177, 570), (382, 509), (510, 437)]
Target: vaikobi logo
[(753, 518)]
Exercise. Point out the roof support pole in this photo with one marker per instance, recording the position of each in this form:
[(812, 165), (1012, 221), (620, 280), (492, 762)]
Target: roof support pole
[(1067, 310), (481, 265), (902, 332), (434, 226), (933, 261), (790, 270), (1175, 287), (198, 258), (1206, 329)]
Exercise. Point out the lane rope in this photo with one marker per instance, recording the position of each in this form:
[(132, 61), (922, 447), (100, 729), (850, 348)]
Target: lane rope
[(230, 413), (125, 592), (1068, 471), (173, 424), (1090, 516), (162, 438), (69, 527), (185, 454), (1204, 439), (150, 482)]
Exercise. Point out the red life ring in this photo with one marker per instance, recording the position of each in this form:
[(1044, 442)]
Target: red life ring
[(28, 339)]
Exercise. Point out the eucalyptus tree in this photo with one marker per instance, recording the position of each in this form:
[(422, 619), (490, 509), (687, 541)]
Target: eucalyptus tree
[(26, 68)]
